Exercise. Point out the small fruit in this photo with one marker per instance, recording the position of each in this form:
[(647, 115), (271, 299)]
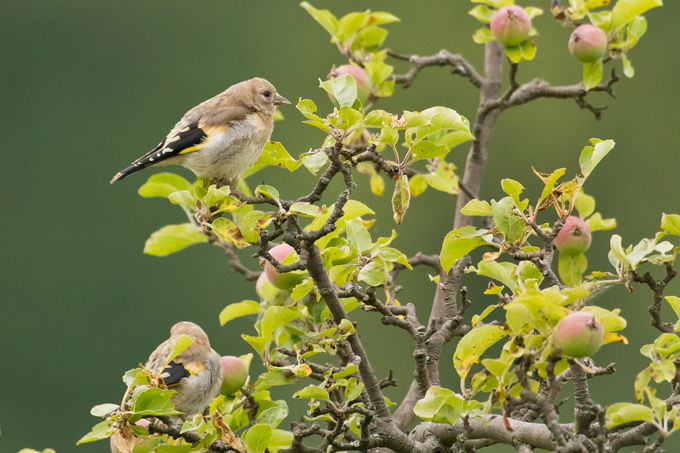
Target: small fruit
[(282, 281), (579, 334), (364, 84), (235, 375), (588, 43), (574, 237), (265, 289), (510, 25), (142, 445)]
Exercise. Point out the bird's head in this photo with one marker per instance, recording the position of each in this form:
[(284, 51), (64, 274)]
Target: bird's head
[(190, 329), (263, 96)]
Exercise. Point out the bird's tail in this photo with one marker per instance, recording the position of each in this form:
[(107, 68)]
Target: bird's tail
[(135, 167)]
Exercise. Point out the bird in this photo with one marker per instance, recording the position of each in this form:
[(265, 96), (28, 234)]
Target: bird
[(195, 374), (221, 137)]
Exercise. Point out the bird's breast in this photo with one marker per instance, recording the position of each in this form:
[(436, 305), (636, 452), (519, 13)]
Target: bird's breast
[(227, 154)]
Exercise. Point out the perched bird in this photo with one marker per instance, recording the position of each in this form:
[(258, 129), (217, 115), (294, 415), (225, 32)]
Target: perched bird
[(195, 374), (221, 137)]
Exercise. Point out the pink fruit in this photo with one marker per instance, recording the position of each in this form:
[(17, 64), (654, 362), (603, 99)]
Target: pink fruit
[(574, 237), (579, 334), (364, 84), (142, 444), (235, 375), (510, 25), (282, 281), (588, 43)]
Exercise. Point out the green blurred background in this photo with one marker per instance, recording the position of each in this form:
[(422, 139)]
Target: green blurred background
[(89, 86)]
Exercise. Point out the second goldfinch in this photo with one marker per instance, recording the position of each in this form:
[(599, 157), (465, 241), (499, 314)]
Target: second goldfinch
[(195, 374), (221, 137)]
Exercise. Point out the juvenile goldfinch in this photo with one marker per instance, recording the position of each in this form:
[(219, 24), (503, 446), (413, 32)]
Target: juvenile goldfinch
[(195, 374), (221, 137)]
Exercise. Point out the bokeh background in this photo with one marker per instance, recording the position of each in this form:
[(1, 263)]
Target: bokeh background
[(87, 87)]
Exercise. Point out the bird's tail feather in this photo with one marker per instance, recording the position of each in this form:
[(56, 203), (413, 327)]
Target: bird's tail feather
[(128, 171)]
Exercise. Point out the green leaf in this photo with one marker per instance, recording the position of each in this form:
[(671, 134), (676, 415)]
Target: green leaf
[(305, 209), (508, 224), (482, 13), (373, 273), (388, 136), (102, 410), (627, 412), (666, 344), (502, 272), (427, 150), (378, 72), (227, 231), (302, 289), (273, 416), (259, 344), (471, 347), (675, 304), (439, 405), (280, 440), (626, 10), (312, 391), (378, 118), (358, 236), (135, 377), (477, 318), (585, 204), (153, 401), (273, 154), (172, 238), (268, 191), (550, 182), (512, 188), (459, 243), (670, 223), (528, 49), (592, 74), (400, 198), (182, 342), (353, 390), (251, 224), (533, 12), (483, 35), (308, 109), (183, 197), (596, 222), (592, 155), (452, 139), (232, 311), (611, 320), (163, 184), (348, 117), (278, 316), (476, 207), (349, 370), (315, 161), (101, 430), (571, 268), (258, 438), (498, 4), (343, 89), (324, 17), (393, 256)]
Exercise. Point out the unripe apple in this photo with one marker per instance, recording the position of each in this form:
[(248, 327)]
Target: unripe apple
[(574, 237), (265, 289), (282, 281), (364, 84), (579, 334), (235, 375), (510, 25), (143, 445), (588, 43)]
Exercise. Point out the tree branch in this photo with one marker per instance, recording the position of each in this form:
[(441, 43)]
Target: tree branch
[(458, 65)]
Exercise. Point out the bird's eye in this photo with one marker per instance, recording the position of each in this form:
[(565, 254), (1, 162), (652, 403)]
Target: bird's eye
[(267, 94)]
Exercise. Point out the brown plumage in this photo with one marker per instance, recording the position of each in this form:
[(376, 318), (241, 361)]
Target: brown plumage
[(221, 137), (196, 373)]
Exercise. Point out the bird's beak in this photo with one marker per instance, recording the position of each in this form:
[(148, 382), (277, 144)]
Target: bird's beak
[(278, 100)]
